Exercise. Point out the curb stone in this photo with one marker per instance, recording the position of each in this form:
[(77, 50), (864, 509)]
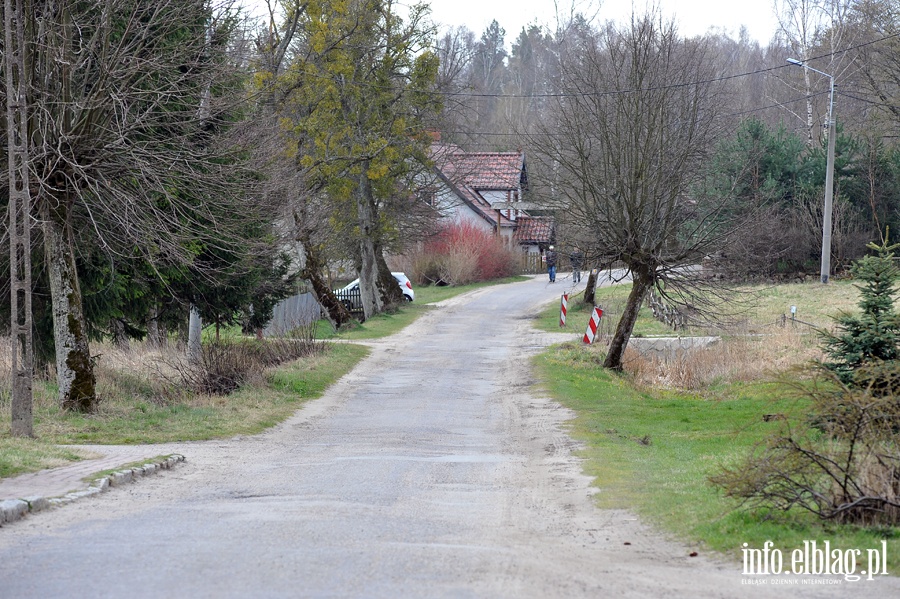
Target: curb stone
[(12, 510)]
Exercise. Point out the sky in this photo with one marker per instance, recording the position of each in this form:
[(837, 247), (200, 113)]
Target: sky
[(694, 17)]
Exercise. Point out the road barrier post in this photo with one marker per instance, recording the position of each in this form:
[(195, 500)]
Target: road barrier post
[(563, 308), (593, 325)]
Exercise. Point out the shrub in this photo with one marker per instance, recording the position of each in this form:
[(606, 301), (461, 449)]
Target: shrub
[(843, 461), (225, 365), (462, 253)]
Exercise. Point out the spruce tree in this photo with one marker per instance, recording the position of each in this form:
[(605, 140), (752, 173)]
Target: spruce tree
[(866, 347)]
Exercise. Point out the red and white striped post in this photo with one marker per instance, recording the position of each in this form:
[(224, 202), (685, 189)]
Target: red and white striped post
[(591, 332), (563, 308)]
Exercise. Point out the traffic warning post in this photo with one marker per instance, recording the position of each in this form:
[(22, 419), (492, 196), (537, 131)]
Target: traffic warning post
[(563, 308), (593, 325)]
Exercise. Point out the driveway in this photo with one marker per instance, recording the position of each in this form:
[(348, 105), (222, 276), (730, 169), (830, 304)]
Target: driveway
[(435, 469)]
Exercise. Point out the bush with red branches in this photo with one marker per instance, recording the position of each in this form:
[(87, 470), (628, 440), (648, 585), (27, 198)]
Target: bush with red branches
[(462, 253)]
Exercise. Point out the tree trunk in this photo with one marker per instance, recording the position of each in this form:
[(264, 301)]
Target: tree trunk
[(390, 292), (155, 336), (74, 367), (119, 336), (809, 107), (590, 288), (335, 311), (368, 272), (641, 284)]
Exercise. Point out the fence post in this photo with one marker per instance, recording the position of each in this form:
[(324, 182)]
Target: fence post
[(195, 328)]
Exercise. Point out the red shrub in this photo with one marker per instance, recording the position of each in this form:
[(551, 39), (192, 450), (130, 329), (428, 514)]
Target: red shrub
[(463, 253)]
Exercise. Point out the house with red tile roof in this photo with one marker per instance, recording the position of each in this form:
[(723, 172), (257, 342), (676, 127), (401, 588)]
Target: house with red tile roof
[(484, 188)]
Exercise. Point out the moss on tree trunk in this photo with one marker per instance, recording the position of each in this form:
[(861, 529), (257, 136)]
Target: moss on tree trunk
[(74, 367)]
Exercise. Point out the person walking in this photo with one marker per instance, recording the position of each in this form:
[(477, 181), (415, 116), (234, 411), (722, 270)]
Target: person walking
[(551, 264), (576, 259)]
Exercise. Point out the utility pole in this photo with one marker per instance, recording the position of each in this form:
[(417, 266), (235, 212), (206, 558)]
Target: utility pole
[(22, 424), (825, 271), (829, 194)]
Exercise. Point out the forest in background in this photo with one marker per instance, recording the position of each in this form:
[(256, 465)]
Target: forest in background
[(769, 148)]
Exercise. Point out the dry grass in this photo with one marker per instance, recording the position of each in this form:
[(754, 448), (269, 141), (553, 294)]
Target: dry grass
[(137, 407), (816, 304), (755, 347), (739, 358)]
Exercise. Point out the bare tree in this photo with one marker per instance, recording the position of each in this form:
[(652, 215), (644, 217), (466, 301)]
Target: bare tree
[(123, 118), (635, 117)]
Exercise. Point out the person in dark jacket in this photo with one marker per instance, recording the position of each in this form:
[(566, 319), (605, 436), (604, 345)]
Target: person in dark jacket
[(576, 259), (551, 263)]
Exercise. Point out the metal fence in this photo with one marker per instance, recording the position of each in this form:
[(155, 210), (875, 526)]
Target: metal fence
[(352, 299), (293, 313)]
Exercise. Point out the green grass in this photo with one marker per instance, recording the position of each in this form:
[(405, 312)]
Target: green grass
[(382, 325), (653, 451), (18, 456)]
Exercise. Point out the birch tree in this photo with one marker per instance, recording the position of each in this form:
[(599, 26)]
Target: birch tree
[(811, 28)]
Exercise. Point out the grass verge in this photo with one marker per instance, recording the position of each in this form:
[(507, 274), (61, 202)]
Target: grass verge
[(18, 456), (651, 449), (128, 415), (652, 452)]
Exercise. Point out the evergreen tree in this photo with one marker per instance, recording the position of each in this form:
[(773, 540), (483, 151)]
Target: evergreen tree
[(870, 340)]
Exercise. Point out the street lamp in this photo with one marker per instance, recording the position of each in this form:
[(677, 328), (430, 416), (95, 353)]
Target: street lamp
[(829, 175)]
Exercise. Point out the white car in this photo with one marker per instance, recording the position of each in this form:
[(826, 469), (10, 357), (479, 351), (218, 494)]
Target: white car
[(350, 293)]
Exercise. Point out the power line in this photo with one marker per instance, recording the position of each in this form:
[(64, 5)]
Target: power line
[(560, 95), (543, 135), (663, 87)]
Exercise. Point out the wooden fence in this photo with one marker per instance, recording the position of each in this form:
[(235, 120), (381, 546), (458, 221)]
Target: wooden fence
[(532, 264)]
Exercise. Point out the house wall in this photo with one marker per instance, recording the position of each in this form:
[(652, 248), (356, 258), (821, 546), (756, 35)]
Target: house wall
[(454, 209), (503, 195), (494, 195)]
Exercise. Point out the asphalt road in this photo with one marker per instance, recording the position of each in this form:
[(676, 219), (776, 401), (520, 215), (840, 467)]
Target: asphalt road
[(435, 469)]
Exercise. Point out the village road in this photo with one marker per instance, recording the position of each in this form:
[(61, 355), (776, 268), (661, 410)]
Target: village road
[(437, 468)]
